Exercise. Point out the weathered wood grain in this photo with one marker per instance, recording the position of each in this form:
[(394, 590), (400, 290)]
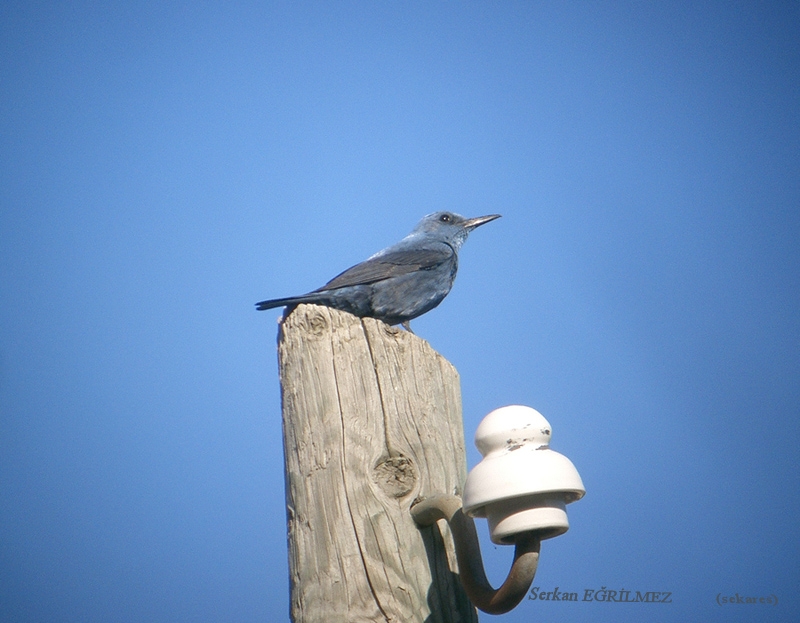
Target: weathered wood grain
[(371, 421)]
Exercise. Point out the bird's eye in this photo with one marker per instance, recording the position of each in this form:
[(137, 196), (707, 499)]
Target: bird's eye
[(445, 218)]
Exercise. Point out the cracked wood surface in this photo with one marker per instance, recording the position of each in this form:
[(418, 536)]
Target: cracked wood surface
[(371, 421)]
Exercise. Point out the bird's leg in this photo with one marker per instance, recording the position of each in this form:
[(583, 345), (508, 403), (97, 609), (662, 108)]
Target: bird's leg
[(407, 326)]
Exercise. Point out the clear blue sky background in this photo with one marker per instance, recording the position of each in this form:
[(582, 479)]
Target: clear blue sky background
[(165, 165)]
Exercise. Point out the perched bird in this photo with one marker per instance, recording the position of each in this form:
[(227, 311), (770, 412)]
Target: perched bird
[(404, 280)]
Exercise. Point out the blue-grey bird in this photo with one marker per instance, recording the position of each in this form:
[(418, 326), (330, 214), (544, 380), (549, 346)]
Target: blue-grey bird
[(404, 280)]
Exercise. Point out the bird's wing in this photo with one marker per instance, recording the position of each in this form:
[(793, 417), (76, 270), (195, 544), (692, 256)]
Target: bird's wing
[(391, 264)]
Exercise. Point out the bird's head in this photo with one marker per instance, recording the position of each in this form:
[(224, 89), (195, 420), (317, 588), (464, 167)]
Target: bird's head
[(450, 227)]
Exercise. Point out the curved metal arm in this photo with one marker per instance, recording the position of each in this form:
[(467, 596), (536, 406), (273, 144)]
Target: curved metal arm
[(468, 553)]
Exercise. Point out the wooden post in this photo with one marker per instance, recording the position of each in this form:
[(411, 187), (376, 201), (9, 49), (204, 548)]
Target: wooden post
[(371, 422)]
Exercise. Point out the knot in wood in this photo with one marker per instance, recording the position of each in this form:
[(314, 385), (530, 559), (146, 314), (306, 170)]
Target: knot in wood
[(395, 476), (316, 323), (391, 330)]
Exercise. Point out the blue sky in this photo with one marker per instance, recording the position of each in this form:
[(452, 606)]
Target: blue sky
[(165, 165)]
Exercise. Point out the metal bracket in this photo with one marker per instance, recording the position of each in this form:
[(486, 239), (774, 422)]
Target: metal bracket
[(470, 562)]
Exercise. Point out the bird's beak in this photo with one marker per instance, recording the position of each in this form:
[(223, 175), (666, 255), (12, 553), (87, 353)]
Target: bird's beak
[(472, 223)]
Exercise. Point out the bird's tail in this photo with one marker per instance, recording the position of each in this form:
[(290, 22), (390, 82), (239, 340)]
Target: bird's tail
[(292, 300)]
